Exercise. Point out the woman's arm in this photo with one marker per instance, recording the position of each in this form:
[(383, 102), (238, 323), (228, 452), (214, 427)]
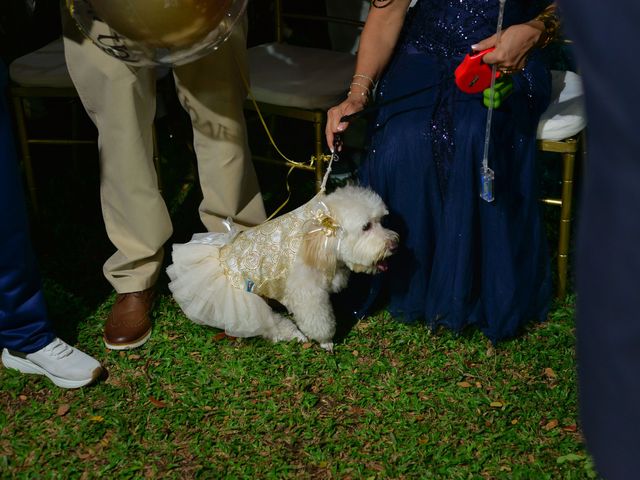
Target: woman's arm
[(517, 41), (377, 42)]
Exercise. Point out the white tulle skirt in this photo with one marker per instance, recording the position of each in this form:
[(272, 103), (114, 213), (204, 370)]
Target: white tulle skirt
[(205, 294)]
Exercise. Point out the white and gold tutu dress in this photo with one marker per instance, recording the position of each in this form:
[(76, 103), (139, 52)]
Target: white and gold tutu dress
[(219, 279)]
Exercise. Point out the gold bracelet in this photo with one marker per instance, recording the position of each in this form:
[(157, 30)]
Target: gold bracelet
[(360, 75), (364, 94), (551, 24), (360, 85)]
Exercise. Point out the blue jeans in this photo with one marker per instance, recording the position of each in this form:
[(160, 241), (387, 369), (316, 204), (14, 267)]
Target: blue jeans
[(24, 322)]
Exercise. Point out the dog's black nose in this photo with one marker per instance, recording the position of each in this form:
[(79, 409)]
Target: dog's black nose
[(392, 244)]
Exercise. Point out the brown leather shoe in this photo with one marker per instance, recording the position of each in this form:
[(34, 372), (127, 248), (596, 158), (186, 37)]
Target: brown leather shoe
[(129, 325)]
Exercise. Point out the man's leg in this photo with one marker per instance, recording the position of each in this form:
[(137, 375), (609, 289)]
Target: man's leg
[(211, 89), (27, 340), (608, 269), (121, 102), (24, 322)]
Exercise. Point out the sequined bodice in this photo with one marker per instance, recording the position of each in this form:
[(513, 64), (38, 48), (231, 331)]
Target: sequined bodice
[(448, 28)]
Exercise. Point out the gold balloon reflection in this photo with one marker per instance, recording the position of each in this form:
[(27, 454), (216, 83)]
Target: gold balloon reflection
[(170, 24)]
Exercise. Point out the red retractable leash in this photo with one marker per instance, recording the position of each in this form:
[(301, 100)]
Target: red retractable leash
[(473, 75)]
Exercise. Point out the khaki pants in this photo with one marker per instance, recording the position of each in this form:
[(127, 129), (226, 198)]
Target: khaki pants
[(120, 99)]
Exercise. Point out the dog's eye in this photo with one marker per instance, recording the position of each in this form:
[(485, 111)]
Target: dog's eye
[(366, 226)]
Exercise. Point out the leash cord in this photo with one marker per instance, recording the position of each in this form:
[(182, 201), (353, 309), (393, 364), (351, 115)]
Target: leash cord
[(369, 110)]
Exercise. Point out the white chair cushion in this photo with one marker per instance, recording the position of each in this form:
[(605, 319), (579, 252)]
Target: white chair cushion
[(44, 67), (302, 77), (47, 67), (565, 116)]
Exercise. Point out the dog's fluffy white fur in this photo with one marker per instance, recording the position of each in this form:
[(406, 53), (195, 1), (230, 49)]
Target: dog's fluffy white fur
[(297, 259)]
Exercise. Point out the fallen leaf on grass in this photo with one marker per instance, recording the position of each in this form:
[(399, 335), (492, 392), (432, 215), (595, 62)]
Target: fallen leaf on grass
[(464, 384), (157, 403), (378, 467), (22, 398), (356, 411), (496, 404), (549, 373), (572, 457), (570, 428), (96, 418), (219, 336), (551, 424), (104, 441), (63, 409)]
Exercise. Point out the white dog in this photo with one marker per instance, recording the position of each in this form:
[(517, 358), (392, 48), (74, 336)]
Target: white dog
[(297, 259)]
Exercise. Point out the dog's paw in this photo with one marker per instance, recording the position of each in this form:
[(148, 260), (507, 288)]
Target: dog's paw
[(287, 330), (328, 346)]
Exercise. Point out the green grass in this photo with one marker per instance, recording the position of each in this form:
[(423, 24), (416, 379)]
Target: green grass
[(394, 401)]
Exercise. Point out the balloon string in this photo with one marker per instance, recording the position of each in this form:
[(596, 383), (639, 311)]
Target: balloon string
[(293, 163)]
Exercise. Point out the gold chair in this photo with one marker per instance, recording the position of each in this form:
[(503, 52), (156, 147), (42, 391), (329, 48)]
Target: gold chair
[(43, 74), (299, 83), (560, 130), (40, 74)]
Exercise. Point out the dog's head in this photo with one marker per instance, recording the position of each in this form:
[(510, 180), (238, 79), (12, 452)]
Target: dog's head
[(350, 231)]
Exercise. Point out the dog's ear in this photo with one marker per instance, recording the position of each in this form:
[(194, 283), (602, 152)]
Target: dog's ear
[(320, 245)]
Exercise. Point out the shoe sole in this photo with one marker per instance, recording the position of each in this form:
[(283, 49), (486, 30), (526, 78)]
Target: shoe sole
[(128, 346), (26, 366)]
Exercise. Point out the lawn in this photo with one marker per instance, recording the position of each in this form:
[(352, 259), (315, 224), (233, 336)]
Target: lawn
[(393, 401)]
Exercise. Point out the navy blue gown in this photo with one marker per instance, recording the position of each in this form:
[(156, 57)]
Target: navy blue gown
[(463, 261)]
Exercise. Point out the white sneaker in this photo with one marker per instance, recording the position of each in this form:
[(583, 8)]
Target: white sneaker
[(65, 365)]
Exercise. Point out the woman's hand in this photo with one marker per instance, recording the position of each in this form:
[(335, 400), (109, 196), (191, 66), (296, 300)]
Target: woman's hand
[(515, 43), (379, 37), (353, 104)]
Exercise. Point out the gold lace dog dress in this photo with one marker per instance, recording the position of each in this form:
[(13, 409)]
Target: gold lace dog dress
[(218, 279)]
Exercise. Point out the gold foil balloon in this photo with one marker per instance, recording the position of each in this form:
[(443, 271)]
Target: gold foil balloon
[(156, 32)]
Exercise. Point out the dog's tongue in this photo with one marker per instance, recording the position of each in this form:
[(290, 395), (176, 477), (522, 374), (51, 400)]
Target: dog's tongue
[(382, 266)]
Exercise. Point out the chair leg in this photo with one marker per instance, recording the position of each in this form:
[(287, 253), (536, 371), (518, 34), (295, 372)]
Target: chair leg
[(21, 127), (319, 140), (156, 155), (568, 161), (273, 124), (75, 128)]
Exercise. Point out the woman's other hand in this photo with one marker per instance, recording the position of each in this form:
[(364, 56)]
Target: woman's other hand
[(515, 43)]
